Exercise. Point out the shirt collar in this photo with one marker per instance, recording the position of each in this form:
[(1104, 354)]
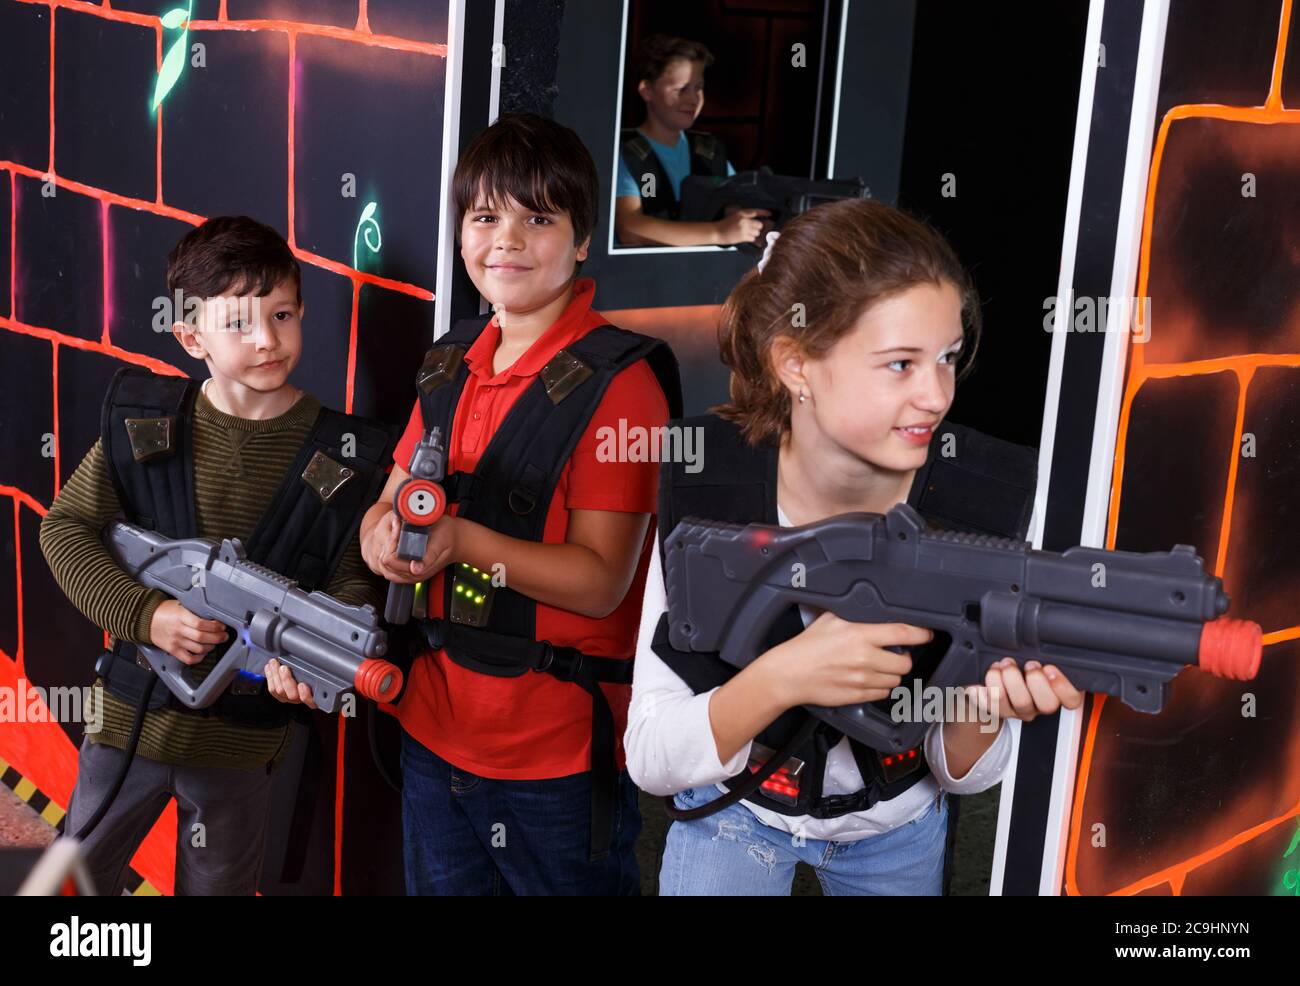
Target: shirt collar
[(676, 145), (571, 325)]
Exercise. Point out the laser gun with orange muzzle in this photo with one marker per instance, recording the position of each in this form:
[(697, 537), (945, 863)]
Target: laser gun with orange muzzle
[(331, 646), (419, 502), (1118, 622)]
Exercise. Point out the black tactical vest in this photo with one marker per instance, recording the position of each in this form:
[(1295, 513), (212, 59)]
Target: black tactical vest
[(708, 157), (493, 630), (147, 439)]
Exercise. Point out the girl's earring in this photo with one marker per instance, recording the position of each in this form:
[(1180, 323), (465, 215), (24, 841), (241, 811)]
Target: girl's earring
[(802, 397)]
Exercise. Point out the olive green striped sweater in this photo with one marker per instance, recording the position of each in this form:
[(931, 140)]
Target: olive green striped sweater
[(238, 466)]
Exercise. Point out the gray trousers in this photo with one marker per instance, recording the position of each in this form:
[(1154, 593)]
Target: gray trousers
[(221, 820)]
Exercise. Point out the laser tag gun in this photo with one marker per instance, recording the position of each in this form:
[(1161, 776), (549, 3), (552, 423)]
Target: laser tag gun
[(331, 646), (419, 502), (705, 197), (1119, 622)]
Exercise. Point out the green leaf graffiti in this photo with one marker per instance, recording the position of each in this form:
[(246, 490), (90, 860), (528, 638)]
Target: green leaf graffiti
[(175, 18), (174, 63)]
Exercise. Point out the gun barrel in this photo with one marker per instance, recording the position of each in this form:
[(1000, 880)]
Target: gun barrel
[(374, 678), (1012, 622), (1225, 647)]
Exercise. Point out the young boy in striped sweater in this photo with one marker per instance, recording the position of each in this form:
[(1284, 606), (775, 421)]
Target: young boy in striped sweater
[(244, 454)]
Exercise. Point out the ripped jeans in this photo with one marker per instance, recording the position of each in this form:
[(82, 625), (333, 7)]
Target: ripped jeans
[(733, 853)]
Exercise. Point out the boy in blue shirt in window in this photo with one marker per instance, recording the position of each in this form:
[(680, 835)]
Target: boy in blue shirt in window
[(656, 156)]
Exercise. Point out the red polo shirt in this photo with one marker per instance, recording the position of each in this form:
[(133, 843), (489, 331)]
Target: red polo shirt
[(535, 727)]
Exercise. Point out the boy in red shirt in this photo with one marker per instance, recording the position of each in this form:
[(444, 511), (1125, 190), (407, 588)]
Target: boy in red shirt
[(512, 720)]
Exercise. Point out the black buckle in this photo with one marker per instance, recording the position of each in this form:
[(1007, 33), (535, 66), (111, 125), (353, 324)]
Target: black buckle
[(548, 656), (435, 634), (563, 663), (460, 486), (835, 805)]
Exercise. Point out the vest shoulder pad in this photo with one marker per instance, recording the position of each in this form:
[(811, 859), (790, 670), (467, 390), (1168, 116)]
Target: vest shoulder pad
[(371, 442), (733, 482), (706, 145), (150, 407), (609, 346), (619, 348), (975, 482), (144, 430), (443, 360), (137, 389), (634, 142)]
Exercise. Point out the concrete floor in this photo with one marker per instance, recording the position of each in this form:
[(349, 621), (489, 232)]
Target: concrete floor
[(20, 827)]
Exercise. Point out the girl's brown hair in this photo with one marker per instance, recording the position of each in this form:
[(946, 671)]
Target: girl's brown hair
[(835, 261)]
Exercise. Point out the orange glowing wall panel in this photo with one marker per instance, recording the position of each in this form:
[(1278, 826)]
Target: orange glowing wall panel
[(1204, 798)]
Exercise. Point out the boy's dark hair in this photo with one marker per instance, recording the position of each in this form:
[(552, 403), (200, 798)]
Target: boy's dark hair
[(231, 253), (837, 260), (541, 164), (655, 52)]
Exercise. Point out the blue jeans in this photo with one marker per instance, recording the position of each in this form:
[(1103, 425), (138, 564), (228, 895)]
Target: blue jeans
[(733, 853), (469, 835)]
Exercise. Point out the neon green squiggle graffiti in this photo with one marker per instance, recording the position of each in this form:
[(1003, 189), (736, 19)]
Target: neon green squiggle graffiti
[(1291, 878), (367, 225), (174, 63)]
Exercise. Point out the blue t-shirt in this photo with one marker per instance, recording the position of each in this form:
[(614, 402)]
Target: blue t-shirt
[(676, 162)]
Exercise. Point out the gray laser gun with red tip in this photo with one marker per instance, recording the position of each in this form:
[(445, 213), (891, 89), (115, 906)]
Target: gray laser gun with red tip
[(331, 646), (419, 502), (1118, 622)]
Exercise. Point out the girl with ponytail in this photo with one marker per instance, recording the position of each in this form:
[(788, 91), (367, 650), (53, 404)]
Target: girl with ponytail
[(845, 348)]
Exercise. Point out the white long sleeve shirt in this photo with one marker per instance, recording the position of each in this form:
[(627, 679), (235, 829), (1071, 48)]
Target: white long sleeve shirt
[(670, 745)]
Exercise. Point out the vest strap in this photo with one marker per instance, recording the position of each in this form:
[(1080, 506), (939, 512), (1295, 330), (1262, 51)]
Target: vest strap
[(461, 485), (641, 159)]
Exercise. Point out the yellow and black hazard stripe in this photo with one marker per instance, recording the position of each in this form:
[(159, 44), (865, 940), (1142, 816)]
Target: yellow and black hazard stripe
[(56, 817)]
